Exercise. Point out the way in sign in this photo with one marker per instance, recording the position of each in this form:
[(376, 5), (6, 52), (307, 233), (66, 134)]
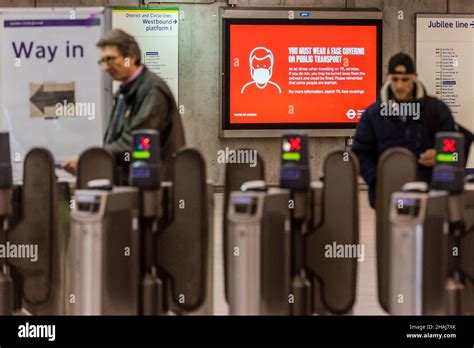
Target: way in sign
[(47, 52)]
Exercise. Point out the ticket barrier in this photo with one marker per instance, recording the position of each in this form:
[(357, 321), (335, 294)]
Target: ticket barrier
[(94, 164), (141, 249), (430, 264), (34, 218), (259, 245), (235, 175), (396, 167), (280, 240), (6, 184)]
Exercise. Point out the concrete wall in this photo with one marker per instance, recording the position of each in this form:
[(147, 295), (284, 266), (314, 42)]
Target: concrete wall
[(199, 65)]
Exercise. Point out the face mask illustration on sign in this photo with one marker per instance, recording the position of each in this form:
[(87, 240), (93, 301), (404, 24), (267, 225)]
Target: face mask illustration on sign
[(261, 61)]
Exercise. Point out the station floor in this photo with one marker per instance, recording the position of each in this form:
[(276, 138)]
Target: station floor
[(366, 298)]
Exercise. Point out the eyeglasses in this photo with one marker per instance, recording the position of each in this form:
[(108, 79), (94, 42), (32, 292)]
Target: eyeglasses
[(107, 60)]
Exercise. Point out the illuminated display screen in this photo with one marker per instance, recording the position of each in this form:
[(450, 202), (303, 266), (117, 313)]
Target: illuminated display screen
[(291, 147), (446, 157), (143, 143), (448, 173), (408, 206), (290, 174), (443, 176), (449, 145), (141, 172), (141, 154), (448, 152), (294, 171), (142, 147), (283, 74), (407, 201)]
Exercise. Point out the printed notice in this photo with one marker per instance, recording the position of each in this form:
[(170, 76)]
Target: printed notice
[(445, 52)]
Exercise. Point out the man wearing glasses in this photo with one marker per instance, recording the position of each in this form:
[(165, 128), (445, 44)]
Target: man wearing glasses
[(403, 116), (143, 101)]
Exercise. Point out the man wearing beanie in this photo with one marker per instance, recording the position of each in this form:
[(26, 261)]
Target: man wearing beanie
[(404, 115)]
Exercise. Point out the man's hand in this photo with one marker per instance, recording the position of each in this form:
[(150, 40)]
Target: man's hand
[(71, 166), (428, 158)]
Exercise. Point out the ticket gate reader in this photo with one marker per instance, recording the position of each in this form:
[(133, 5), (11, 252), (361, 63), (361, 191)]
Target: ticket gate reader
[(103, 253), (259, 245), (107, 246), (304, 223), (417, 269), (294, 176), (466, 245), (294, 171), (236, 174), (429, 270), (321, 220), (165, 268), (396, 167), (146, 176), (448, 173)]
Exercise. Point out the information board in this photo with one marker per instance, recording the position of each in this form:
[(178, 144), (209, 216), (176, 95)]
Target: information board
[(51, 87), (445, 63), (156, 31)]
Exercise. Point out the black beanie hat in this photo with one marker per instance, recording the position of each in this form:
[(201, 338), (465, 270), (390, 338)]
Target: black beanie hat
[(401, 59)]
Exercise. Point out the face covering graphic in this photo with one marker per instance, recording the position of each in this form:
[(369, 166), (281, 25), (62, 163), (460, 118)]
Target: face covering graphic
[(261, 67)]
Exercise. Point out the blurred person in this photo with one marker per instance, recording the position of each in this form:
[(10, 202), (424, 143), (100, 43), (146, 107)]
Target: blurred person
[(143, 101), (405, 116)]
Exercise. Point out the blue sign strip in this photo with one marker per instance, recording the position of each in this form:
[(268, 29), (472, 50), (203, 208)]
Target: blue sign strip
[(51, 23)]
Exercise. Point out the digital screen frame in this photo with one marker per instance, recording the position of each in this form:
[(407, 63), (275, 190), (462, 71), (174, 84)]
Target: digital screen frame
[(300, 16)]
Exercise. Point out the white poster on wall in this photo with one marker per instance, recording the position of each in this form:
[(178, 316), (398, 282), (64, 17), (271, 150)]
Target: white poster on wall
[(156, 31), (445, 63), (51, 89)]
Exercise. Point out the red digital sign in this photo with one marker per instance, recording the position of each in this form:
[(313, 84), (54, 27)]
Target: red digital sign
[(300, 74), (295, 144), (144, 143), (449, 145), (292, 144)]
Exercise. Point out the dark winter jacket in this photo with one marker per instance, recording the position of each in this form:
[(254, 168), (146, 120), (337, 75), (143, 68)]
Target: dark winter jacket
[(149, 104), (377, 131)]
